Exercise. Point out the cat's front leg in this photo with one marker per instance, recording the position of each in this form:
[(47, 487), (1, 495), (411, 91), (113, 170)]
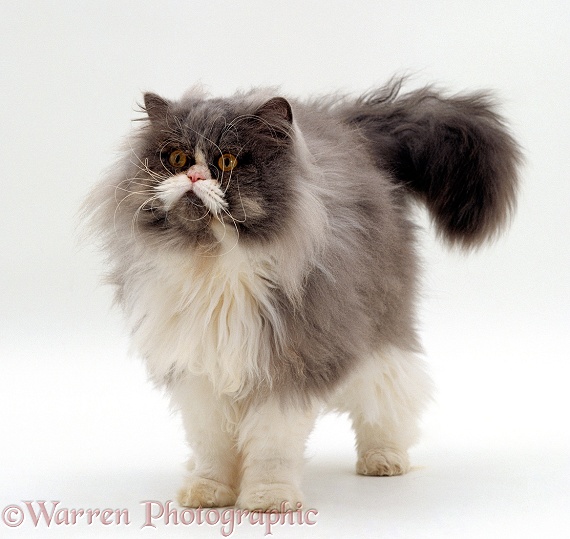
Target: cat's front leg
[(272, 441), (213, 469)]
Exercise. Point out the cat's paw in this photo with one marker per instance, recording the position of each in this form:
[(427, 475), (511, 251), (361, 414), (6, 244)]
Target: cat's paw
[(202, 492), (383, 462), (267, 497)]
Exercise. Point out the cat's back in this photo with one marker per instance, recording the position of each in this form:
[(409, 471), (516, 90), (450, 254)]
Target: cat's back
[(328, 136), (370, 253), (361, 198), (347, 170)]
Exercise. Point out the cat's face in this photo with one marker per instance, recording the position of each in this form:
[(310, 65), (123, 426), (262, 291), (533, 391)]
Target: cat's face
[(204, 169)]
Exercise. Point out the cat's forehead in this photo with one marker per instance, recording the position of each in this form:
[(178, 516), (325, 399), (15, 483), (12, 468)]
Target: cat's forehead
[(206, 119), (205, 112)]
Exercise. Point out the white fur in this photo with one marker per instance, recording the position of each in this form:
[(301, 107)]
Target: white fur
[(252, 456), (172, 189), (211, 195), (384, 398), (254, 450), (209, 421), (272, 442), (205, 317)]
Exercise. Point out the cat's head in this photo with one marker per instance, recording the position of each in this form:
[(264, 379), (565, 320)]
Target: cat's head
[(200, 169)]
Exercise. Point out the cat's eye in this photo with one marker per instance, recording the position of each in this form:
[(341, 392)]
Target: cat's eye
[(227, 162), (177, 158)]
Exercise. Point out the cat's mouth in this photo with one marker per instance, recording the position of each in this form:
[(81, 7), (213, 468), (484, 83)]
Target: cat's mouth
[(193, 197), (206, 190)]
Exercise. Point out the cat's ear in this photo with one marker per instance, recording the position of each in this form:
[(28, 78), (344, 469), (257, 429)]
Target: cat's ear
[(155, 106), (277, 108), (276, 120)]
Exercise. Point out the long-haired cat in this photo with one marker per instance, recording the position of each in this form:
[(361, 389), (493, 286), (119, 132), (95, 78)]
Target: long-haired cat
[(263, 252)]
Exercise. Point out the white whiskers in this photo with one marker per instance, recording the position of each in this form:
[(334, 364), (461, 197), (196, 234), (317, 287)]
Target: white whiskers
[(171, 190), (160, 191), (208, 191)]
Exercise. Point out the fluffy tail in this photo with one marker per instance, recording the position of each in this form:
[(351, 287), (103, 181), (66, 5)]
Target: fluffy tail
[(454, 153)]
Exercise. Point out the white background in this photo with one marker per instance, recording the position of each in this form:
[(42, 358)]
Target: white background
[(79, 422)]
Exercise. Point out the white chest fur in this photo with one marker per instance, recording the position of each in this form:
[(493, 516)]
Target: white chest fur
[(208, 316)]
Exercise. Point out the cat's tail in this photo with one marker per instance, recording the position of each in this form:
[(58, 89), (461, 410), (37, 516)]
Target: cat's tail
[(453, 153)]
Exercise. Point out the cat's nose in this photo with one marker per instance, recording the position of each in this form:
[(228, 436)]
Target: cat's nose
[(198, 172)]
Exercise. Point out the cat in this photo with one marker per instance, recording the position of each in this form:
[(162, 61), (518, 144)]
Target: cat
[(264, 253)]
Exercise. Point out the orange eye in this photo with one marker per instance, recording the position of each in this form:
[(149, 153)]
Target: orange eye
[(177, 158), (227, 162)]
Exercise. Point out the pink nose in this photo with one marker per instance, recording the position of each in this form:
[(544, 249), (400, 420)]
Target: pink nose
[(196, 173)]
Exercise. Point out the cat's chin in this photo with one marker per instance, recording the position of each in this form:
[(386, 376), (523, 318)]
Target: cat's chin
[(194, 199), (188, 220), (211, 241), (222, 234)]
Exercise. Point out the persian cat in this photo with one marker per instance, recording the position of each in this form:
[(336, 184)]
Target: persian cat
[(263, 251)]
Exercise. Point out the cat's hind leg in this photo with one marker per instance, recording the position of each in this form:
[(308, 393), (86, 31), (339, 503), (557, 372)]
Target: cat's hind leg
[(214, 466), (384, 399)]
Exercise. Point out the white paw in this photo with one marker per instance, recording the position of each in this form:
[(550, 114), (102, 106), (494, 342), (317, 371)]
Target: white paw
[(383, 462), (266, 497), (202, 492)]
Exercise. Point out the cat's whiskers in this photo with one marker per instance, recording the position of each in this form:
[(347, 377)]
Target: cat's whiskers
[(235, 220), (232, 127), (119, 202), (152, 179), (206, 214), (143, 166), (142, 207), (243, 117), (133, 181), (220, 181), (220, 241), (240, 200), (151, 175), (161, 151), (146, 191)]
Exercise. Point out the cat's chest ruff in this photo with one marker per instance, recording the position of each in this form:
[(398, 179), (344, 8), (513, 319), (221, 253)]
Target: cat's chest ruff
[(207, 316)]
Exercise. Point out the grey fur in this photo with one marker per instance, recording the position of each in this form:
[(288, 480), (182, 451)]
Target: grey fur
[(454, 153), (367, 155)]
